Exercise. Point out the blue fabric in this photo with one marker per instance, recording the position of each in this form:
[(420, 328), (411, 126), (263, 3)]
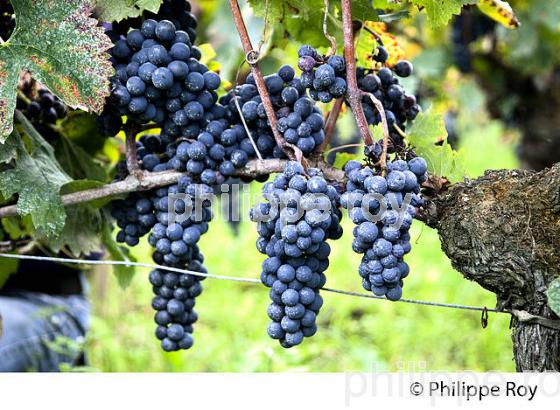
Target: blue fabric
[(41, 332)]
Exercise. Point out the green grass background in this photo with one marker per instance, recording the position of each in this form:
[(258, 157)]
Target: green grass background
[(355, 334)]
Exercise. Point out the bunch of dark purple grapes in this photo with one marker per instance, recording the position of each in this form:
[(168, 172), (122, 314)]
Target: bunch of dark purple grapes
[(383, 84), (299, 119), (176, 245), (159, 79), (297, 249), (324, 77), (383, 208), (43, 110), (179, 12)]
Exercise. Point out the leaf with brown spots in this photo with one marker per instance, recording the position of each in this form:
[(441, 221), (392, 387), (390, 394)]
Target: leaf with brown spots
[(63, 48)]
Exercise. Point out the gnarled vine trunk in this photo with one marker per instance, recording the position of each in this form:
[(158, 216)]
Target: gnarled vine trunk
[(502, 230)]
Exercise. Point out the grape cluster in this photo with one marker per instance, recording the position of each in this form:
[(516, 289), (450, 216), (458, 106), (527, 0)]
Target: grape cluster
[(467, 28), (135, 217), (43, 110), (175, 244), (303, 125), (159, 79), (383, 240), (174, 302), (398, 105), (299, 120), (179, 12), (296, 248), (324, 77), (215, 154)]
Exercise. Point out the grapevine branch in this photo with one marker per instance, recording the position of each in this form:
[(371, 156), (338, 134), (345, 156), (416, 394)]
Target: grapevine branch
[(144, 180), (291, 151), (354, 93)]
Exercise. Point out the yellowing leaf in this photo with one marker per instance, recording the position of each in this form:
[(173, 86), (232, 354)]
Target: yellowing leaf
[(367, 44), (499, 11)]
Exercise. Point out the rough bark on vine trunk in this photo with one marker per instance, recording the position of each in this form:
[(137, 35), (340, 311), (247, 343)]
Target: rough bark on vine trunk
[(503, 231)]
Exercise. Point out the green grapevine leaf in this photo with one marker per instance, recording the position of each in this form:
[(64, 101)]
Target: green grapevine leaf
[(8, 150), (426, 130), (63, 48), (364, 48), (553, 295), (303, 19), (15, 227), (82, 128), (362, 10), (123, 273), (275, 9), (117, 10), (385, 4), (7, 268), (81, 232), (77, 162), (36, 177), (342, 158), (440, 11), (84, 222)]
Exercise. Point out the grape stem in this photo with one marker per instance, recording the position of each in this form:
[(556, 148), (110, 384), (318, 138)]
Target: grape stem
[(399, 130), (132, 165), (354, 93), (12, 245), (147, 127), (374, 34), (290, 150), (332, 40), (247, 130), (330, 125), (385, 125), (341, 147)]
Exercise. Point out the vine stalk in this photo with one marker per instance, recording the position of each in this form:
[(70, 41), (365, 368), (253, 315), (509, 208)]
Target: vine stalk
[(130, 144), (354, 93), (252, 58), (145, 180)]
